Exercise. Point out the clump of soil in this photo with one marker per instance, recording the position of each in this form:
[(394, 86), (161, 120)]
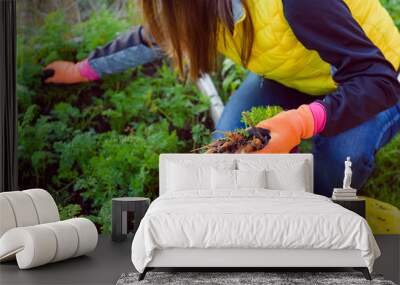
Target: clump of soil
[(240, 141), (245, 141)]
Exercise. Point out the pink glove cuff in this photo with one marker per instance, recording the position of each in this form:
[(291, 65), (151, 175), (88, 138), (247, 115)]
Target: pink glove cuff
[(87, 71), (319, 114)]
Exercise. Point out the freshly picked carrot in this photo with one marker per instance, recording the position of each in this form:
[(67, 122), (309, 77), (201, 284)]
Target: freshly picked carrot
[(239, 142), (246, 140)]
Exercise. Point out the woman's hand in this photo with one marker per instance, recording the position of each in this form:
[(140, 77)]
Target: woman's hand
[(287, 129), (64, 72)]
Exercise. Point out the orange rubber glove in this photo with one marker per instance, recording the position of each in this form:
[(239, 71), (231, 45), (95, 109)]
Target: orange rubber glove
[(287, 129), (64, 72)]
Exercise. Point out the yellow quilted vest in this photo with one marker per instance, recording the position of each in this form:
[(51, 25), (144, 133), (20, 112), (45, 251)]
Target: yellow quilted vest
[(279, 56)]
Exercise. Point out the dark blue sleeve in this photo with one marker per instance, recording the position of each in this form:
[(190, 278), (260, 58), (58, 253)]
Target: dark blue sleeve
[(367, 82)]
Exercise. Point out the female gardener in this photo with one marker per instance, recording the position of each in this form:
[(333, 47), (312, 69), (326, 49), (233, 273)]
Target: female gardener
[(332, 65)]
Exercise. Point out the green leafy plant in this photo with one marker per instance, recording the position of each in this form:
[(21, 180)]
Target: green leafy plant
[(393, 7), (258, 114), (385, 180), (88, 143), (99, 29), (69, 211), (231, 76)]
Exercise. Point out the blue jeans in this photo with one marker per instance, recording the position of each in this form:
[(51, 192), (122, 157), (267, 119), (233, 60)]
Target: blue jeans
[(360, 143)]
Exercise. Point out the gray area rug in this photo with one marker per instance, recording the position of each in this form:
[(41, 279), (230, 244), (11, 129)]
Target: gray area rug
[(236, 278)]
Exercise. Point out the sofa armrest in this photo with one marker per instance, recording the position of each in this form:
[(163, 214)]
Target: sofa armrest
[(33, 246)]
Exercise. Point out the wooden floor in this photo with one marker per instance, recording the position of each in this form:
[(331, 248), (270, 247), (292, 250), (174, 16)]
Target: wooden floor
[(111, 259)]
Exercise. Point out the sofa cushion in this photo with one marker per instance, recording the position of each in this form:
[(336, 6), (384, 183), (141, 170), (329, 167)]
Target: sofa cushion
[(26, 208), (24, 211), (7, 218), (41, 244), (45, 205)]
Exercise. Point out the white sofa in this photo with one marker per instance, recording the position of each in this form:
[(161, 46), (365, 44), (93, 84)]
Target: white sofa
[(293, 172), (31, 231)]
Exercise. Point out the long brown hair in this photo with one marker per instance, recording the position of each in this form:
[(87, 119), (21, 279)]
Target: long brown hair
[(188, 29)]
